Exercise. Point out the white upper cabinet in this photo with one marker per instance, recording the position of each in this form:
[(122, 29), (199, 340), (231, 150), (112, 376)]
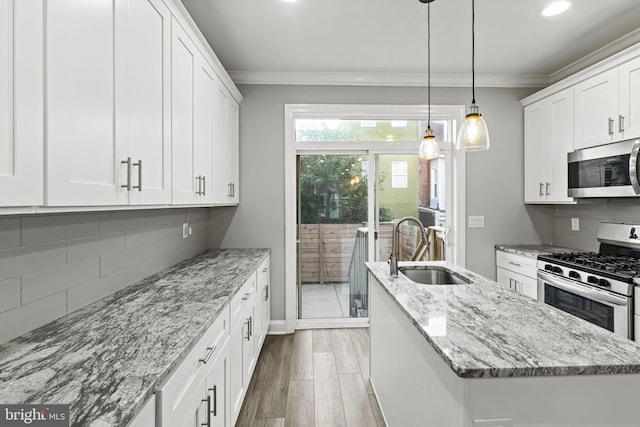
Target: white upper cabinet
[(108, 100), (21, 102), (607, 106), (629, 111), (184, 57), (145, 93), (548, 125), (82, 153), (596, 110), (226, 147)]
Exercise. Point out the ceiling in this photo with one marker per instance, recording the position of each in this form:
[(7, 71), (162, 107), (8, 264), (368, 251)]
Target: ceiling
[(357, 40)]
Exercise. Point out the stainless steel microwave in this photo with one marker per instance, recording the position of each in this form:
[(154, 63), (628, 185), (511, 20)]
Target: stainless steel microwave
[(605, 171)]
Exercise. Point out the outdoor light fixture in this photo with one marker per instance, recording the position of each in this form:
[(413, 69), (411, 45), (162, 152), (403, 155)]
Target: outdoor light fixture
[(429, 148), (474, 135)]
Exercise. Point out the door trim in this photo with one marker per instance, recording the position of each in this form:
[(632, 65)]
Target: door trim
[(370, 112)]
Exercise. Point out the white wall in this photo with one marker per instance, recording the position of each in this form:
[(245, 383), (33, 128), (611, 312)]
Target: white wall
[(494, 180)]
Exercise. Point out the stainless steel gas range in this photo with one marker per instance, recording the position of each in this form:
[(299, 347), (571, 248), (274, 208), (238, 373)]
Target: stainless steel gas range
[(597, 287)]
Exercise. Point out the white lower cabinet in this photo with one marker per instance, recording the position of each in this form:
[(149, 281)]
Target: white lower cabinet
[(181, 401), (518, 273), (209, 386), (147, 416)]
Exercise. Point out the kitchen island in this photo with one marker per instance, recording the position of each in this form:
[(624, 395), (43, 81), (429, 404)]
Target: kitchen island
[(482, 355)]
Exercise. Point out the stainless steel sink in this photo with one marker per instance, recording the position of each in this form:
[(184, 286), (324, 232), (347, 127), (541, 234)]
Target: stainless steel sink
[(429, 275)]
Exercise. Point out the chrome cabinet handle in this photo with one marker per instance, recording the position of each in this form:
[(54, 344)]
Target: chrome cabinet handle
[(215, 401), (199, 179), (128, 163), (610, 126), (264, 270), (541, 192), (207, 356), (266, 292), (248, 323), (620, 123), (510, 283), (139, 165), (250, 326), (204, 185), (547, 188), (514, 263), (208, 400), (246, 296), (633, 167)]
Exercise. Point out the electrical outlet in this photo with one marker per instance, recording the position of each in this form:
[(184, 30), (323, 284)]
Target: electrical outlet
[(575, 224), (476, 222), (190, 231), (185, 230)]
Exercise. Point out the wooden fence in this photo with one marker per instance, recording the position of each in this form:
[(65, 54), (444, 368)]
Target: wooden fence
[(326, 249)]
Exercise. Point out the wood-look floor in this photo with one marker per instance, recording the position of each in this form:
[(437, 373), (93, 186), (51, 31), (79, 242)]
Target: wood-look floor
[(316, 377)]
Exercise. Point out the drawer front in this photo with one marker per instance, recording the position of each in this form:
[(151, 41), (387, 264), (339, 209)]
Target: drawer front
[(264, 272), (190, 373), (242, 299), (517, 263)]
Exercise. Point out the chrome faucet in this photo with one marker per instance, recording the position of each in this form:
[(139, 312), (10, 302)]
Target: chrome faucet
[(393, 260)]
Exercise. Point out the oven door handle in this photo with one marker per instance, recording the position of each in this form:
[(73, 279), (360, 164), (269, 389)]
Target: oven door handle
[(582, 291), (633, 167)]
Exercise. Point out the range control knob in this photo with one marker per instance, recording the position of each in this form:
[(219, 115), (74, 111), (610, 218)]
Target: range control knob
[(574, 275), (548, 267), (604, 282), (592, 279), (557, 270)]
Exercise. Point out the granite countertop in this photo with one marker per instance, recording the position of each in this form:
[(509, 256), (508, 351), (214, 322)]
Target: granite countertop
[(107, 359), (486, 330), (532, 251)]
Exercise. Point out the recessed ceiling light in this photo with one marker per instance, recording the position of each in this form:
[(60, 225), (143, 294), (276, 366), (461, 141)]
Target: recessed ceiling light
[(289, 1), (556, 8)]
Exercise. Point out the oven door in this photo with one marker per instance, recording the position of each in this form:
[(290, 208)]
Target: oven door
[(605, 171), (602, 308)]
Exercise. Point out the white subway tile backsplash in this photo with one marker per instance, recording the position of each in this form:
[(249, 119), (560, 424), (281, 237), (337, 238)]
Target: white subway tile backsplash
[(30, 259), (49, 282), (94, 246), (90, 292), (51, 228), (121, 221), (9, 233), (9, 294), (27, 317), (54, 264)]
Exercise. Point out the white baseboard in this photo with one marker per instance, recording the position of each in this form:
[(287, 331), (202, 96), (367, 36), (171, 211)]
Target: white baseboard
[(359, 322), (277, 327)]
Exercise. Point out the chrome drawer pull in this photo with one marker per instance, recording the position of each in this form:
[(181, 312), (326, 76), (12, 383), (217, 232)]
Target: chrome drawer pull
[(139, 165), (128, 163), (610, 126), (246, 296), (514, 263), (210, 351)]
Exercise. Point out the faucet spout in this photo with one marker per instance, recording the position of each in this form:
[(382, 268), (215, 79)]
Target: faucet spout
[(393, 259)]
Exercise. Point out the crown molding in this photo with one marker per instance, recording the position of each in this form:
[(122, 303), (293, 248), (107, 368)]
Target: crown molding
[(385, 79), (605, 52)]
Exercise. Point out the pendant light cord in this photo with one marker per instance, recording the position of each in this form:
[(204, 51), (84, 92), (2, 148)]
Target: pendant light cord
[(429, 63), (473, 52)]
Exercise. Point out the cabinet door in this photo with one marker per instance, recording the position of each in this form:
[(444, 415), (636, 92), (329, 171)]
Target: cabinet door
[(237, 386), (536, 168), (217, 392), (83, 155), (248, 352), (560, 143), (596, 110), (226, 148), (144, 86), (504, 277), (183, 66), (21, 126), (205, 90), (629, 119)]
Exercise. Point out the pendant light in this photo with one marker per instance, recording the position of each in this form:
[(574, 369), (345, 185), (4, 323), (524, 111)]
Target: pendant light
[(473, 135), (429, 148)]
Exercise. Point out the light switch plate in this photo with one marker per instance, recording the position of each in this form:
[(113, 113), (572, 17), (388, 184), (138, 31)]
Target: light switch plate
[(575, 224), (476, 221)]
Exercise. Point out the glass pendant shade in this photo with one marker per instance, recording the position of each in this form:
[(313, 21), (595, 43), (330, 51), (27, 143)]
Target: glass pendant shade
[(474, 135), (429, 148)]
